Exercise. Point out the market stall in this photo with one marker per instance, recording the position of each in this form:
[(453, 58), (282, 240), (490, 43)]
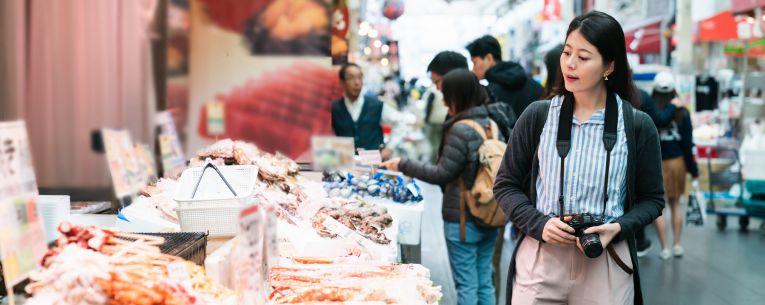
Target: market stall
[(270, 236)]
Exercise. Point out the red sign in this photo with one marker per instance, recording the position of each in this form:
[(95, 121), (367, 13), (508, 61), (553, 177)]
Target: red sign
[(739, 6), (551, 10), (340, 20), (718, 27)]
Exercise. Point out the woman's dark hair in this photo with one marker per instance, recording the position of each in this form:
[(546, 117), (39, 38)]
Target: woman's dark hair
[(605, 33), (446, 61), (462, 90), (662, 99), (552, 63)]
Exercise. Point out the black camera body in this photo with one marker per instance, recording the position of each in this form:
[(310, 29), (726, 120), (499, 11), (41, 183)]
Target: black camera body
[(590, 242)]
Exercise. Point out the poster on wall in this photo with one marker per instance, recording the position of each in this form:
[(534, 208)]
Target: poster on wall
[(274, 81), (275, 27), (22, 241)]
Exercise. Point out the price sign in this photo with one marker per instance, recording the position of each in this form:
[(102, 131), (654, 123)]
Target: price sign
[(22, 241), (170, 150), (370, 157), (331, 153), (127, 175)]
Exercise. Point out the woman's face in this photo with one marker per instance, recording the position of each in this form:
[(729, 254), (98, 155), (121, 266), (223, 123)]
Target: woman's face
[(582, 65)]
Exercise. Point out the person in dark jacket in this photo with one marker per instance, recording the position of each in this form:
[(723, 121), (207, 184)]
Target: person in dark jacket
[(660, 118), (471, 259), (361, 117), (549, 265), (677, 160), (507, 80)]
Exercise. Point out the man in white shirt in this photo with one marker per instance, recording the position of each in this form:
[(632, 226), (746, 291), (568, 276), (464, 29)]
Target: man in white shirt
[(361, 117)]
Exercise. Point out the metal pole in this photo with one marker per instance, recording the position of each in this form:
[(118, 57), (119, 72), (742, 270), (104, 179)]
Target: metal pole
[(664, 51)]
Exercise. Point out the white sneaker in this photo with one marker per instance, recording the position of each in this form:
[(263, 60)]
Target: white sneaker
[(665, 254), (678, 250)]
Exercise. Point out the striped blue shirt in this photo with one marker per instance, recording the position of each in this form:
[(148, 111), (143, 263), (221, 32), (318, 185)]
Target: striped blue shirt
[(585, 166)]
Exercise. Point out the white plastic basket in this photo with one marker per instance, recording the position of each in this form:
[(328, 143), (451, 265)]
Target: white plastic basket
[(214, 208)]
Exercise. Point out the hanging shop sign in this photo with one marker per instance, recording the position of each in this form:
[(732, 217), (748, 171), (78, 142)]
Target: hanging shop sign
[(22, 241)]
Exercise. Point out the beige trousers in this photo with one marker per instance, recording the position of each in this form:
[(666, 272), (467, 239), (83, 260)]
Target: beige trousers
[(554, 274)]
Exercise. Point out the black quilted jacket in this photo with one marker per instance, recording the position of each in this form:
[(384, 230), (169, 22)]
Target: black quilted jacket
[(458, 157)]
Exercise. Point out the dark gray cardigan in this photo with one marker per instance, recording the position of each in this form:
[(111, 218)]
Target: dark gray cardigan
[(515, 187)]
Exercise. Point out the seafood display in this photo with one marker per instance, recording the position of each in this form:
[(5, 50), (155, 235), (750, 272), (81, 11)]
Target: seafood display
[(272, 167), (367, 220), (335, 282), (345, 185), (93, 265)]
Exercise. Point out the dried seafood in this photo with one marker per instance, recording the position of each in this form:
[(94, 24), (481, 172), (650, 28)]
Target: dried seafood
[(70, 278), (367, 221)]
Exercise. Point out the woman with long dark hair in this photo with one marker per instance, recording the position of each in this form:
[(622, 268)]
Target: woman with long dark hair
[(582, 173), (470, 256)]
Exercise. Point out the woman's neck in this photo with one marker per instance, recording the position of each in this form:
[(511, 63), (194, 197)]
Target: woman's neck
[(587, 102)]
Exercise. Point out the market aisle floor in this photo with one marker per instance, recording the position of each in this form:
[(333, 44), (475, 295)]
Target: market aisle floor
[(721, 268)]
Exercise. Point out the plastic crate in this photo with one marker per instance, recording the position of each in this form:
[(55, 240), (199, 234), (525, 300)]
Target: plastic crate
[(214, 208)]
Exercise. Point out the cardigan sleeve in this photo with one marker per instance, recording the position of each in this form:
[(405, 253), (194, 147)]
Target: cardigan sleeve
[(649, 184), (513, 177)]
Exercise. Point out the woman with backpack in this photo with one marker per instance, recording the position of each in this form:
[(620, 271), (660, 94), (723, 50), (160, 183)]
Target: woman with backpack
[(581, 174), (471, 246), (677, 160)]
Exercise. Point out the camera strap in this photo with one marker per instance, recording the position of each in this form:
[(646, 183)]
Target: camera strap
[(563, 141)]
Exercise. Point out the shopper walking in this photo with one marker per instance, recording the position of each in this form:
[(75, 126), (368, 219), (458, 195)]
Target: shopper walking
[(361, 117), (660, 117), (470, 259), (581, 153), (508, 81), (677, 161)]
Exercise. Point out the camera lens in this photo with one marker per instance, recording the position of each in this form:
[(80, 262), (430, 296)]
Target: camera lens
[(591, 245)]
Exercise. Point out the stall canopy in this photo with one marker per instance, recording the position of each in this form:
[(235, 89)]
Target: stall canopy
[(718, 27), (645, 38)]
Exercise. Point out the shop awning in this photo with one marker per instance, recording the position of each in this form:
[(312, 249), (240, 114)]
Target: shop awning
[(743, 6), (644, 39), (718, 27)]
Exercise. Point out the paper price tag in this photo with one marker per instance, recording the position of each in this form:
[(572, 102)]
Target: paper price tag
[(370, 157), (178, 272), (341, 230)]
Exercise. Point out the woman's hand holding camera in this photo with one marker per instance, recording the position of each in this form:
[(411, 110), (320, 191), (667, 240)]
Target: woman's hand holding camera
[(558, 232), (607, 232)]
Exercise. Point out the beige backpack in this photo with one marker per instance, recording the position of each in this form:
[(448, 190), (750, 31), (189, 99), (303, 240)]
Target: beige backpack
[(480, 198)]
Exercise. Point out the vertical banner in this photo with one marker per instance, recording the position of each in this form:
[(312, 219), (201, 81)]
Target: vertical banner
[(341, 23), (22, 241), (268, 64)]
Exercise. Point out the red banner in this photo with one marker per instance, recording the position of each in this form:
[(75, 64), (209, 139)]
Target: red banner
[(551, 11)]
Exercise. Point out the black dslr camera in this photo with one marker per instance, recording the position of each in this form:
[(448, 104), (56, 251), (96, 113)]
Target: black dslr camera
[(590, 242)]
